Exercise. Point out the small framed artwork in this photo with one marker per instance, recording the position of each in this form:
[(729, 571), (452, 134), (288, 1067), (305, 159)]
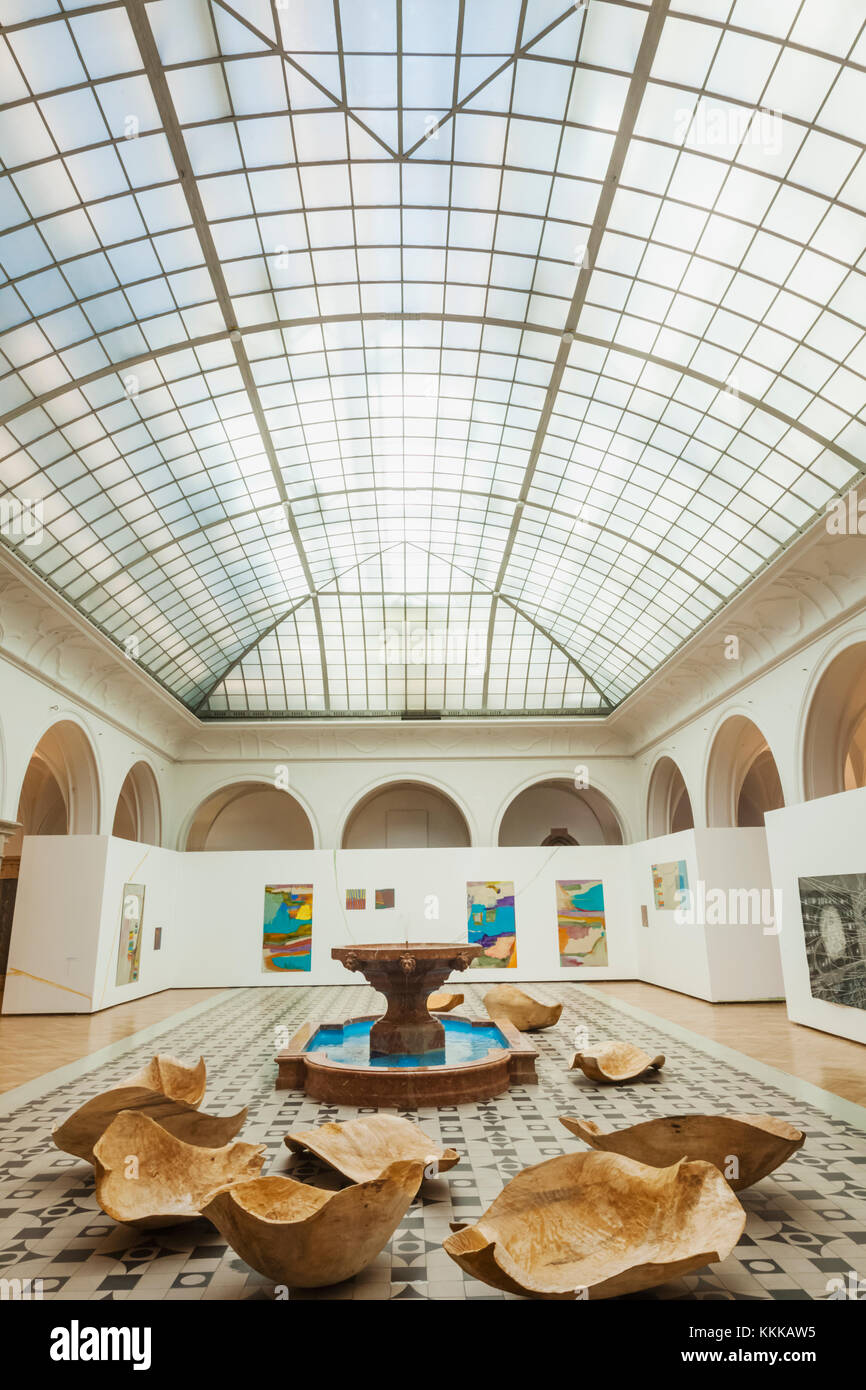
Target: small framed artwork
[(157, 938), (384, 897), (129, 942), (644, 915)]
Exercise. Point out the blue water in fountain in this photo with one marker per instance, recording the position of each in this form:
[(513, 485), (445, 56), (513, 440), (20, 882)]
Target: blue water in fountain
[(463, 1043)]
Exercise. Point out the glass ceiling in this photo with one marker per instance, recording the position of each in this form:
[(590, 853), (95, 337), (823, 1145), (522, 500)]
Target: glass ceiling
[(446, 355)]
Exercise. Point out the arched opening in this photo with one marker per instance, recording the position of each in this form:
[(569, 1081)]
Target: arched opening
[(250, 815), (669, 806), (60, 791), (406, 815), (743, 781), (138, 815), (59, 796), (834, 743), (556, 812)]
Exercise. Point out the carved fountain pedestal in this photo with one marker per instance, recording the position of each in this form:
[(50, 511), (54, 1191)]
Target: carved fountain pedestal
[(406, 975), (408, 1061)]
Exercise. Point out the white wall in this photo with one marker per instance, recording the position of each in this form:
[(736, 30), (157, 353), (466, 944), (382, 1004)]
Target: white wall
[(63, 953), (669, 954), (817, 837), (210, 907)]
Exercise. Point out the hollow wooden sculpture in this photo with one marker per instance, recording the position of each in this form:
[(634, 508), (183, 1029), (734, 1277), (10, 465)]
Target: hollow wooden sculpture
[(305, 1238), (147, 1177), (443, 1002), (597, 1225), (363, 1148), (168, 1092), (616, 1062), (517, 1007), (749, 1145)]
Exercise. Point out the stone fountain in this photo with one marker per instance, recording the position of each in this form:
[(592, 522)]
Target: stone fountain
[(406, 1056)]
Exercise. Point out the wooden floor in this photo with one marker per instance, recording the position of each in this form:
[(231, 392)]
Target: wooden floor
[(762, 1031), (32, 1045)]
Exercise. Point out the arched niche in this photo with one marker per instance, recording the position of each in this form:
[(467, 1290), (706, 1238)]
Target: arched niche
[(742, 777), (60, 792), (554, 811), (250, 815), (138, 815), (406, 815), (834, 741), (669, 806)]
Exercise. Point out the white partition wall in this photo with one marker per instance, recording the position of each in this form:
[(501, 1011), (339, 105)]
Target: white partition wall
[(817, 838), (209, 908)]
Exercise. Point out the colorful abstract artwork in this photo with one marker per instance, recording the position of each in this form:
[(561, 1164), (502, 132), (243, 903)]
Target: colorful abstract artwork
[(492, 925), (356, 899), (384, 897), (580, 921), (287, 937), (834, 925), (129, 943), (670, 880)]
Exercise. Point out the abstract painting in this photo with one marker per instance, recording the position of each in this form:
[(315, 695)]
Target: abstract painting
[(834, 925), (492, 925), (287, 937), (580, 921), (669, 880), (384, 897), (356, 899), (129, 944)]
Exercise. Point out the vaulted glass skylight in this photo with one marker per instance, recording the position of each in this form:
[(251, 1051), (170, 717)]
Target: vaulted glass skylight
[(458, 355)]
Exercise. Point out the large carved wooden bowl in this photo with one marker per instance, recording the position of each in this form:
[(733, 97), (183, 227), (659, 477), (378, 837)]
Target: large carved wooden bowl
[(597, 1225), (168, 1092), (363, 1148), (443, 1002), (147, 1177), (616, 1062), (517, 1007), (745, 1148), (173, 1078), (305, 1238)]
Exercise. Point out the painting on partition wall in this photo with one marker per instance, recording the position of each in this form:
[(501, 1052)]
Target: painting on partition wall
[(834, 925), (356, 899), (287, 936), (492, 925), (580, 921), (384, 897), (669, 880), (129, 944)]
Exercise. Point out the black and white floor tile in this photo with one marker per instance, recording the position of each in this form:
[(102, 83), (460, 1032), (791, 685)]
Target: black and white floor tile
[(806, 1223)]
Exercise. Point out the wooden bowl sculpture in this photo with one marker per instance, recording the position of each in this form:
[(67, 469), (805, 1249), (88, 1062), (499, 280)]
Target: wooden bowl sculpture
[(363, 1148), (164, 1089), (616, 1062), (443, 1002), (515, 1006), (305, 1238), (748, 1146), (146, 1177), (596, 1225)]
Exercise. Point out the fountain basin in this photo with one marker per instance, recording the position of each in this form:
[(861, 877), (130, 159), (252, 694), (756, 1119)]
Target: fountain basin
[(333, 1062)]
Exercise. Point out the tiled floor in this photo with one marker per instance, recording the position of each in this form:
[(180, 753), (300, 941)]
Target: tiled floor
[(806, 1224)]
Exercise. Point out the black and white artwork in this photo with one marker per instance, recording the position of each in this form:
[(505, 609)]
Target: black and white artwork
[(834, 923)]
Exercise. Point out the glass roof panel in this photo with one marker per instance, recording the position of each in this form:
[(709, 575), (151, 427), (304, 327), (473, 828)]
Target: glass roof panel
[(537, 322)]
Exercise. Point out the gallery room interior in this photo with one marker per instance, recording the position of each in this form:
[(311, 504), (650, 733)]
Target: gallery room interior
[(433, 651)]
